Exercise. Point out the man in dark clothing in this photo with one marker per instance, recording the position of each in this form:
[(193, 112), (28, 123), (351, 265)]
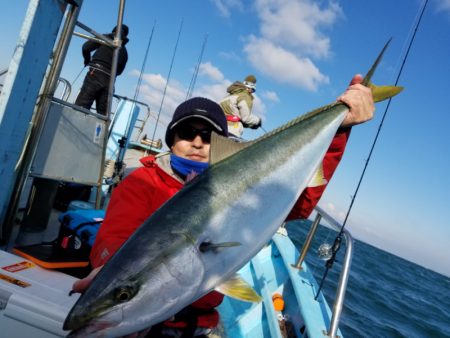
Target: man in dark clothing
[(96, 83)]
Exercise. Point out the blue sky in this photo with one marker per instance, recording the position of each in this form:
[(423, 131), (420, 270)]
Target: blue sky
[(303, 54)]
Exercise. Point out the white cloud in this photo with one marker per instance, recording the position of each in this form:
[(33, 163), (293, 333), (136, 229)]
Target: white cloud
[(156, 83), (226, 6), (331, 207), (259, 108), (211, 71), (282, 65), (230, 56), (151, 92), (292, 34), (214, 91), (270, 95), (297, 24), (443, 5)]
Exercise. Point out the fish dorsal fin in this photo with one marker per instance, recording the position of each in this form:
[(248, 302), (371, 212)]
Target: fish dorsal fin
[(223, 147), (238, 288), (369, 74)]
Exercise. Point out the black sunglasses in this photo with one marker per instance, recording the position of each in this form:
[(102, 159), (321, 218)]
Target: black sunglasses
[(188, 133)]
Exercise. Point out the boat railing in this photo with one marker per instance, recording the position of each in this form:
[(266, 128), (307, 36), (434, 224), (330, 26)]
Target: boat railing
[(140, 122), (343, 277), (66, 89), (2, 72)]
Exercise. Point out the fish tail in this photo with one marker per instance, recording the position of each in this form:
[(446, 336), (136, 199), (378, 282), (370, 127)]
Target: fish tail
[(380, 93)]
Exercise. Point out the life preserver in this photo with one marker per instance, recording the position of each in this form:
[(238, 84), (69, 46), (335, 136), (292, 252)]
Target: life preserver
[(233, 118)]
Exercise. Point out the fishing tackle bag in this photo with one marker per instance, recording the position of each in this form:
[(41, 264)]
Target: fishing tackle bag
[(78, 231)]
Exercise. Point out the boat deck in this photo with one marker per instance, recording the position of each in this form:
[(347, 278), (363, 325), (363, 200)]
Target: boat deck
[(271, 272)]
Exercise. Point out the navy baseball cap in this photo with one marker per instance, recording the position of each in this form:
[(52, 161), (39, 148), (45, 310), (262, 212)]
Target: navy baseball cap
[(201, 108)]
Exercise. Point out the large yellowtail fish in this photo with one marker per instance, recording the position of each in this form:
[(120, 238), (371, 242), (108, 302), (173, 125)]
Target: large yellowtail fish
[(200, 238)]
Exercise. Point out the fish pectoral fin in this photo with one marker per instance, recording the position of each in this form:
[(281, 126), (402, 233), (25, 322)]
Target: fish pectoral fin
[(223, 147), (238, 288), (381, 93), (209, 246)]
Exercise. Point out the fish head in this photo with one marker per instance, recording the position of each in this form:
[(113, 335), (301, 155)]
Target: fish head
[(104, 305), (128, 296)]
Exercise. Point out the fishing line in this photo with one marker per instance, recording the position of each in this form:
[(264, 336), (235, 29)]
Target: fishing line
[(81, 71), (338, 240), (75, 80)]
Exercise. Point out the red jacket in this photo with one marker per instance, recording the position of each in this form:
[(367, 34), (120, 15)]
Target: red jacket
[(311, 196), (143, 191), (138, 196)]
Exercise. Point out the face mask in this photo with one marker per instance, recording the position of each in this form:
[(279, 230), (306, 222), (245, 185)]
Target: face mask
[(185, 167)]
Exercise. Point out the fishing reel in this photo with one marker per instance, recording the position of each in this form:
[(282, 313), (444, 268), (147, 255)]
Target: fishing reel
[(325, 251)]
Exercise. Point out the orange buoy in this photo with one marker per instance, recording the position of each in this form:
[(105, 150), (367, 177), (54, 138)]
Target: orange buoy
[(278, 302)]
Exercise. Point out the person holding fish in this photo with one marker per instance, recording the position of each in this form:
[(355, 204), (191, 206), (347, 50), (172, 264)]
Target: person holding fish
[(238, 105), (147, 188)]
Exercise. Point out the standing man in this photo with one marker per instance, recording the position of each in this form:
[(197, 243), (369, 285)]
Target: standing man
[(238, 105), (96, 83)]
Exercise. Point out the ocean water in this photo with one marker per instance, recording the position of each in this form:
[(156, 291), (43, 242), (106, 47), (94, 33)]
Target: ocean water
[(386, 295)]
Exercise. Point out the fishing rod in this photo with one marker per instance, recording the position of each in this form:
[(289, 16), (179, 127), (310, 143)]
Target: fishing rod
[(167, 82), (197, 67), (118, 165), (138, 86), (337, 242)]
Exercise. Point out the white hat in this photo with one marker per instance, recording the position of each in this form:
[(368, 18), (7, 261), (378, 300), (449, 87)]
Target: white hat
[(250, 82)]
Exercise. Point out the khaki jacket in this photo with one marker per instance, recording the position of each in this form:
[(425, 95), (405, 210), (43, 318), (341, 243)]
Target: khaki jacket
[(239, 103)]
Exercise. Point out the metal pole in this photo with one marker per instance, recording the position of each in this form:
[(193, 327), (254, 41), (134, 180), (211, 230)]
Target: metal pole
[(100, 38), (342, 285), (117, 44), (308, 241)]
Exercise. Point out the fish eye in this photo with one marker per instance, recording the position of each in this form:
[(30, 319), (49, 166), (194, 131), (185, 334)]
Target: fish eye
[(124, 294)]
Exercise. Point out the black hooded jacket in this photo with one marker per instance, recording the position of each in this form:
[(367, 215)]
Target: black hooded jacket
[(103, 54)]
